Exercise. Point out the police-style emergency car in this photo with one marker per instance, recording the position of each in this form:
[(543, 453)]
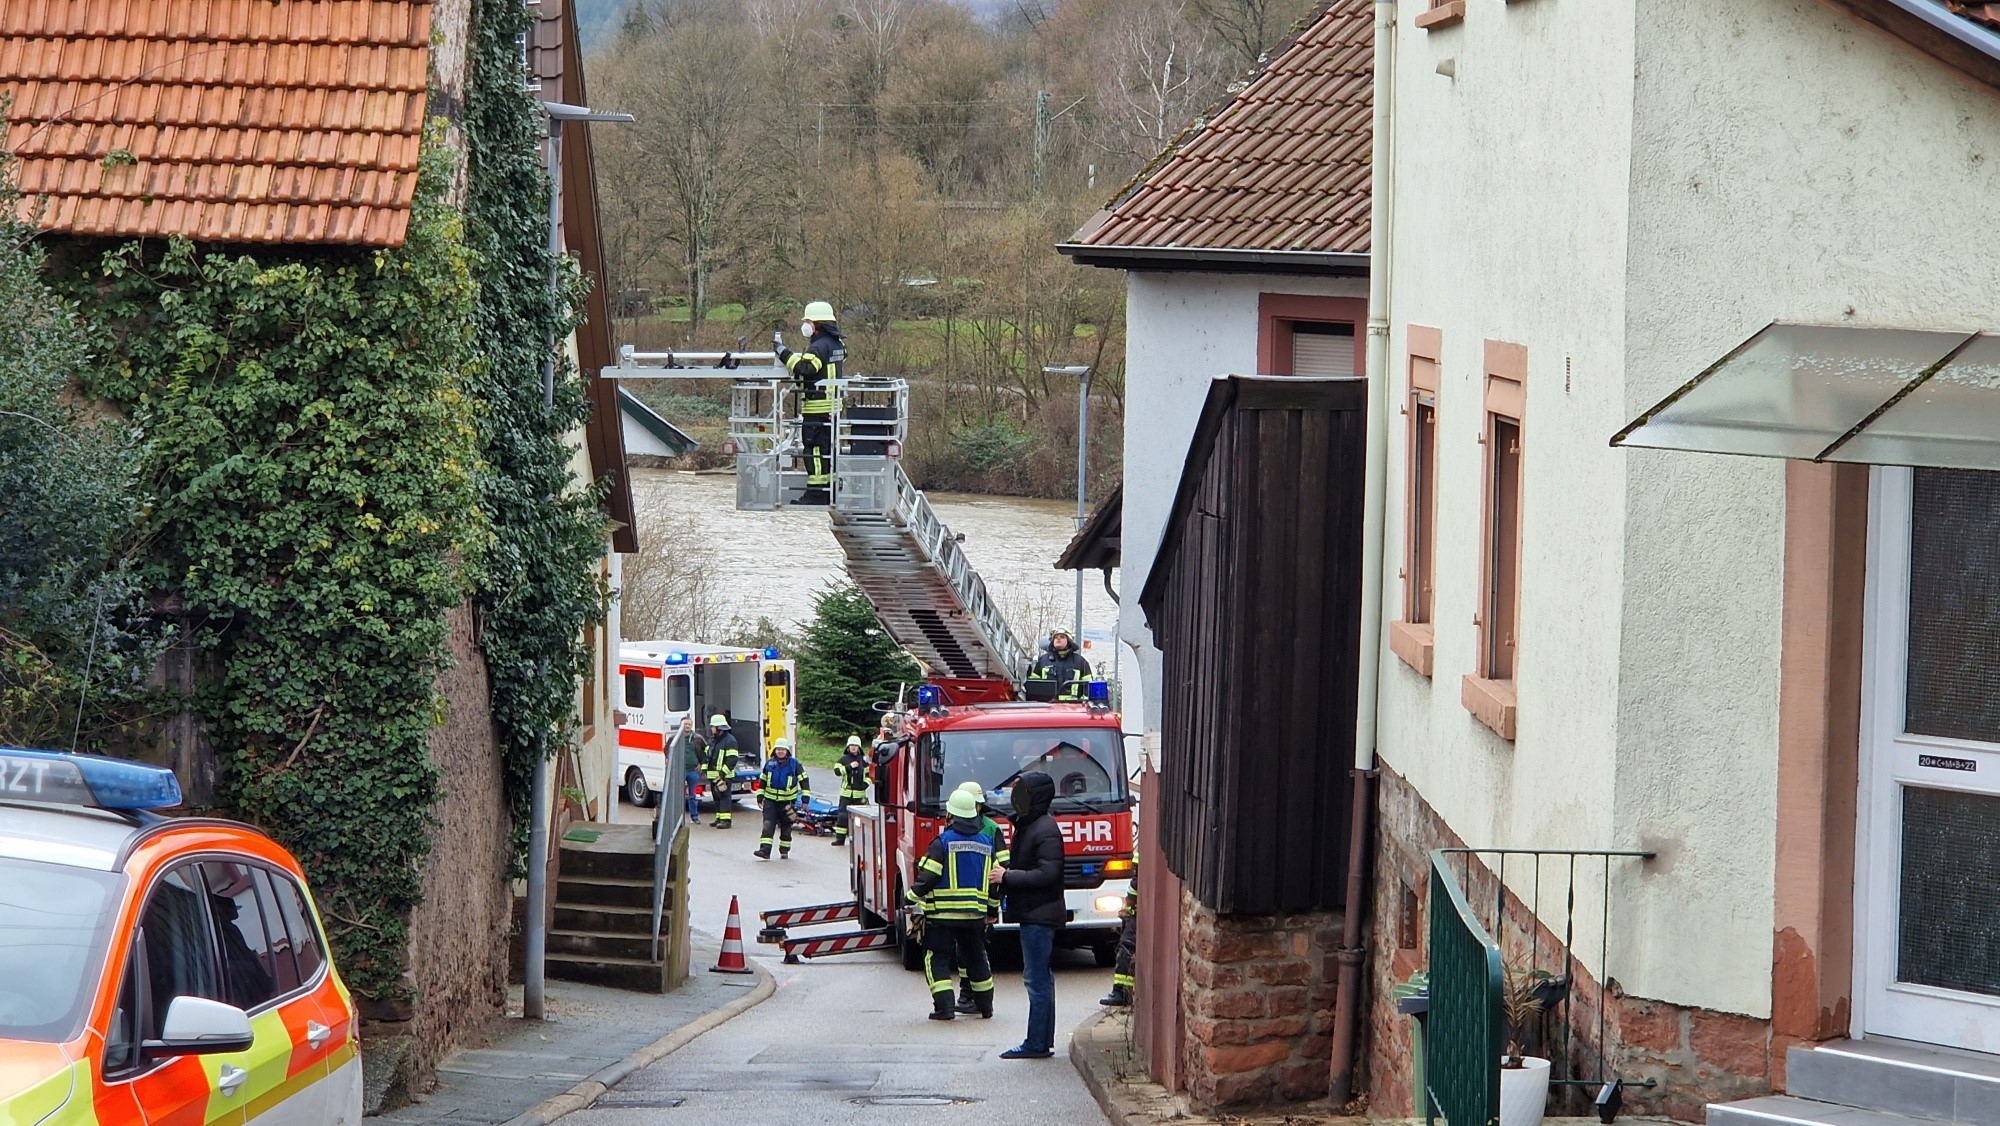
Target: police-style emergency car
[(155, 969)]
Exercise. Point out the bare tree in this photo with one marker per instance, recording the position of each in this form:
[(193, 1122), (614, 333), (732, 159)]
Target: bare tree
[(1164, 70), (1248, 28), (669, 592)]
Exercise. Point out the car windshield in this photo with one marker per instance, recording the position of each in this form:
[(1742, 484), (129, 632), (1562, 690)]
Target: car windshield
[(1087, 764), (53, 924)]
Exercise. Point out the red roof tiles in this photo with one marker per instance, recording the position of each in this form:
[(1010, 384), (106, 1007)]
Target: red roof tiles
[(1283, 166), (221, 120)]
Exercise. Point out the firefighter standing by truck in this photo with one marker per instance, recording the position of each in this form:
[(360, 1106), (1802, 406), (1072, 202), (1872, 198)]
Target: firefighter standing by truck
[(723, 753), (784, 782), (1122, 980), (816, 369), (853, 772), (954, 890), (967, 1003)]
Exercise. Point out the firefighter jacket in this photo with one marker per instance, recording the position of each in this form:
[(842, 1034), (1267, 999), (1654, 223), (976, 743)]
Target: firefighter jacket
[(954, 879), (819, 362), (723, 752), (853, 770), (784, 780), (1069, 670)]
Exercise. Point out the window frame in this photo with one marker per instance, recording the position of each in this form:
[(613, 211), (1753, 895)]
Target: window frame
[(1413, 638), (1493, 699), (634, 676), (1278, 313)]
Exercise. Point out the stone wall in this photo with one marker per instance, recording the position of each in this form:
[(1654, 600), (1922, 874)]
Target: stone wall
[(458, 934), (1695, 1056), (1257, 1002)]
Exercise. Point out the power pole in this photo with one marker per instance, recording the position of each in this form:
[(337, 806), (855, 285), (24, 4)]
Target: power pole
[(1042, 124)]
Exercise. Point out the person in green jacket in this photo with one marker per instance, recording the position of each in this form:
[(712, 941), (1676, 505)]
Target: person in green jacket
[(694, 756)]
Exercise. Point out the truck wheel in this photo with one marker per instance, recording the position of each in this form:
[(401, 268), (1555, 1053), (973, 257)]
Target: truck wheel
[(636, 790)]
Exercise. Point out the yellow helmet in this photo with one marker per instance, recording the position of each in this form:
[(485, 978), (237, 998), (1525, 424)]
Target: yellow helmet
[(820, 312)]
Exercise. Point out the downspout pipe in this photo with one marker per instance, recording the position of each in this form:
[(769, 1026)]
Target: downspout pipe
[(1375, 482)]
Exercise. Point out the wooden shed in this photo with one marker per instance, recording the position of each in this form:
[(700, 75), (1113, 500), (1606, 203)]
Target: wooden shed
[(1254, 600)]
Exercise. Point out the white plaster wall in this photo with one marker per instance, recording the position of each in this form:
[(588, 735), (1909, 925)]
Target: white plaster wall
[(1788, 163), (1182, 330), (1511, 182)]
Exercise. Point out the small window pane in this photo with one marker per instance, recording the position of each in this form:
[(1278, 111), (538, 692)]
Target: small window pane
[(247, 957), (1322, 349), (121, 1041), (1949, 903), (635, 689), (680, 694), (1953, 686), (180, 955), (300, 933)]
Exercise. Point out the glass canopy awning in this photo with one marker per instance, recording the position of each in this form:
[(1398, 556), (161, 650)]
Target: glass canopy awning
[(1875, 396)]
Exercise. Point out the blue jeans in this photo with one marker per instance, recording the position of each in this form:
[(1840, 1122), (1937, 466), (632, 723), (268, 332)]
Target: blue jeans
[(1037, 946), (694, 799)]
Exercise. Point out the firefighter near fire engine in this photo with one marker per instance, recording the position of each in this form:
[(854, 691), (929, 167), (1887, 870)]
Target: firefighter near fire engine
[(784, 782), (1060, 670), (967, 1003), (1122, 980), (817, 370), (720, 766), (954, 892), (853, 771)]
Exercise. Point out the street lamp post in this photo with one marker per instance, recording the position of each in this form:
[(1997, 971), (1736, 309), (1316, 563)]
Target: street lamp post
[(535, 941), (1082, 374)]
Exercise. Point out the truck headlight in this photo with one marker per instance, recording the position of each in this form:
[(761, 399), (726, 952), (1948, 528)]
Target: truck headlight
[(1109, 903)]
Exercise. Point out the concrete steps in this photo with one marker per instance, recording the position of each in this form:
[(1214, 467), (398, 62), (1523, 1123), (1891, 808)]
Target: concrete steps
[(602, 930), (1875, 1083)]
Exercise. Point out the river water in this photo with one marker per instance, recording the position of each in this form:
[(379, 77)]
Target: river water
[(771, 564)]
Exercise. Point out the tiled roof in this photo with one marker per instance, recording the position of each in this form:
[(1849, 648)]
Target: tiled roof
[(1283, 166), (1977, 12), (221, 120)]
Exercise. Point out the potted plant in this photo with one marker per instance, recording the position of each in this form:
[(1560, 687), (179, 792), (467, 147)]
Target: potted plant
[(1524, 1079)]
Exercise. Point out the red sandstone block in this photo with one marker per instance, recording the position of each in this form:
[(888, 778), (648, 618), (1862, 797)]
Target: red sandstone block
[(1274, 1028), (1652, 1026), (1736, 1044), (1237, 1090), (1212, 976), (1207, 1031), (1247, 1057), (1245, 947), (1279, 973), (1304, 1079), (1291, 1000), (1239, 1003)]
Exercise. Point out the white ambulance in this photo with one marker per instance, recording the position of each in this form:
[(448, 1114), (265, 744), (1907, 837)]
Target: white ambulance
[(664, 682)]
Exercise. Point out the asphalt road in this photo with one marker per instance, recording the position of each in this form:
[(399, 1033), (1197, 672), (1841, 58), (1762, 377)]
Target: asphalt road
[(845, 1039)]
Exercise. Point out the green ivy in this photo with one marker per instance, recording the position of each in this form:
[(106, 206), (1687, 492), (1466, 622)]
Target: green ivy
[(314, 454), (540, 592)]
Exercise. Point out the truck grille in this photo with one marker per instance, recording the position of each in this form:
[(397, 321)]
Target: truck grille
[(1081, 873)]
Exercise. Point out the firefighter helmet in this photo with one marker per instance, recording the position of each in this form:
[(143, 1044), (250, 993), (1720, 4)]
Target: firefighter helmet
[(854, 740), (782, 745), (820, 312), (962, 805), (718, 720)]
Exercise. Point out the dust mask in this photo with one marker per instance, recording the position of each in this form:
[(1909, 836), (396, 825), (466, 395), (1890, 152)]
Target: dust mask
[(805, 328)]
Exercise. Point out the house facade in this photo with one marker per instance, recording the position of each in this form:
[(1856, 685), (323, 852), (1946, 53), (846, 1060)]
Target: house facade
[(1701, 657)]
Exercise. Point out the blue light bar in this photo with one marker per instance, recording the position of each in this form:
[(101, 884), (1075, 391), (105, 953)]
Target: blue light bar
[(770, 652), (1099, 692), (93, 780), (677, 658), (929, 695)]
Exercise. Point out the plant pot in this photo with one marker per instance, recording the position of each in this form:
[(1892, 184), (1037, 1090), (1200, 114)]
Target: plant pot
[(1524, 1092)]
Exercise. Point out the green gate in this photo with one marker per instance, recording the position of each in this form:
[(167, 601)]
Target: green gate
[(1465, 1028)]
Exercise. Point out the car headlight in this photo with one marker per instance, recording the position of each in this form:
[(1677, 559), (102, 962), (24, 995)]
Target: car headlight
[(1109, 903)]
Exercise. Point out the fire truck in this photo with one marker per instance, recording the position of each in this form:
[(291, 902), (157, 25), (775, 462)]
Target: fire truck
[(975, 717), (664, 682)]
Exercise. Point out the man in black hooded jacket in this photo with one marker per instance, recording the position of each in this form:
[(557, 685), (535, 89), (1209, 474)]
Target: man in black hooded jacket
[(1031, 890)]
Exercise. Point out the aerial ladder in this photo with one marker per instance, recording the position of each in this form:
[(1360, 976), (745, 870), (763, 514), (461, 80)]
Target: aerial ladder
[(903, 558)]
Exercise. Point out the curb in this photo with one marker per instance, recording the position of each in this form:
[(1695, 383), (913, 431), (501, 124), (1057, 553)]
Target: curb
[(591, 1089), (1113, 1097)]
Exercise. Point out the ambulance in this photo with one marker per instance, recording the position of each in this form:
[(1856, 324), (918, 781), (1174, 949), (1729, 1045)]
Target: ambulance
[(664, 682)]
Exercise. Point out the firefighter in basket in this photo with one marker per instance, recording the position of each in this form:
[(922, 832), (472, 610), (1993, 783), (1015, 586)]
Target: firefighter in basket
[(784, 782), (816, 369), (1060, 671), (853, 772), (967, 1003), (954, 891), (720, 766)]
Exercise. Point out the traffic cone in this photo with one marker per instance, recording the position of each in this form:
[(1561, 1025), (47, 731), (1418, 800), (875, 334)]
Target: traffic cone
[(731, 959)]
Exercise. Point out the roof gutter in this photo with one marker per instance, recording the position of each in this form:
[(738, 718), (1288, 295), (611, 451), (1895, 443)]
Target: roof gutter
[(1375, 477), (1950, 24), (1217, 259)]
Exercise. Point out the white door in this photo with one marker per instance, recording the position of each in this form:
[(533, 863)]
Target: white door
[(1927, 915)]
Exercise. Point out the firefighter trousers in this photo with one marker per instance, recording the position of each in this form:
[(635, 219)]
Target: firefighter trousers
[(957, 945), (778, 822), (1128, 944), (840, 822), (725, 802), (817, 432)]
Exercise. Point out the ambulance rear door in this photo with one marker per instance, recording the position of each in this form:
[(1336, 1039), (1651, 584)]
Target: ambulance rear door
[(781, 705)]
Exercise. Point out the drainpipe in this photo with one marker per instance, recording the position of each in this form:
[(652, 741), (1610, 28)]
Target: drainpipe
[(1347, 1000)]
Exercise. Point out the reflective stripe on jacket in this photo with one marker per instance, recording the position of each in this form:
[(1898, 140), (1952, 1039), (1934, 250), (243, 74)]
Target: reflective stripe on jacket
[(954, 878), (784, 780)]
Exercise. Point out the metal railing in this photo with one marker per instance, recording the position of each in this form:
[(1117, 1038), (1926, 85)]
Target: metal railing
[(940, 547), (1465, 1027), (669, 810)]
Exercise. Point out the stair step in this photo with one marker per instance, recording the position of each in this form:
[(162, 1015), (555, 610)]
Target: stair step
[(612, 891), (1897, 1077), (603, 862), (1786, 1110), (598, 918), (636, 974), (602, 944)]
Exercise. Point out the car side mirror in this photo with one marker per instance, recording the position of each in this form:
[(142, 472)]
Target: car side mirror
[(198, 1026)]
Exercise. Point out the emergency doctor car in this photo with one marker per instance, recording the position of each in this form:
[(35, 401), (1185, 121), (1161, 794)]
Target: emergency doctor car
[(156, 969)]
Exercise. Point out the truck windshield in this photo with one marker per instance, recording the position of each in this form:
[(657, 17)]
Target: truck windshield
[(1087, 764), (53, 924)]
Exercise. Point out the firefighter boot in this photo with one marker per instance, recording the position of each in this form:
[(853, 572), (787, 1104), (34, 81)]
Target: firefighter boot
[(1119, 998), (984, 1001), (966, 1002), (763, 852), (941, 1007)]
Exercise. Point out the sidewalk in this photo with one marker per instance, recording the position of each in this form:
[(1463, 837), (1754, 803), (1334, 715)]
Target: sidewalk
[(521, 1063), (1101, 1049)]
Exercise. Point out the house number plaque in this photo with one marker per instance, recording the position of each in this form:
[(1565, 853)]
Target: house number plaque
[(1940, 762)]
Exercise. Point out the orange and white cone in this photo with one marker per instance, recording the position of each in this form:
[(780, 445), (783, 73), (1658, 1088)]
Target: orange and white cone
[(731, 960)]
